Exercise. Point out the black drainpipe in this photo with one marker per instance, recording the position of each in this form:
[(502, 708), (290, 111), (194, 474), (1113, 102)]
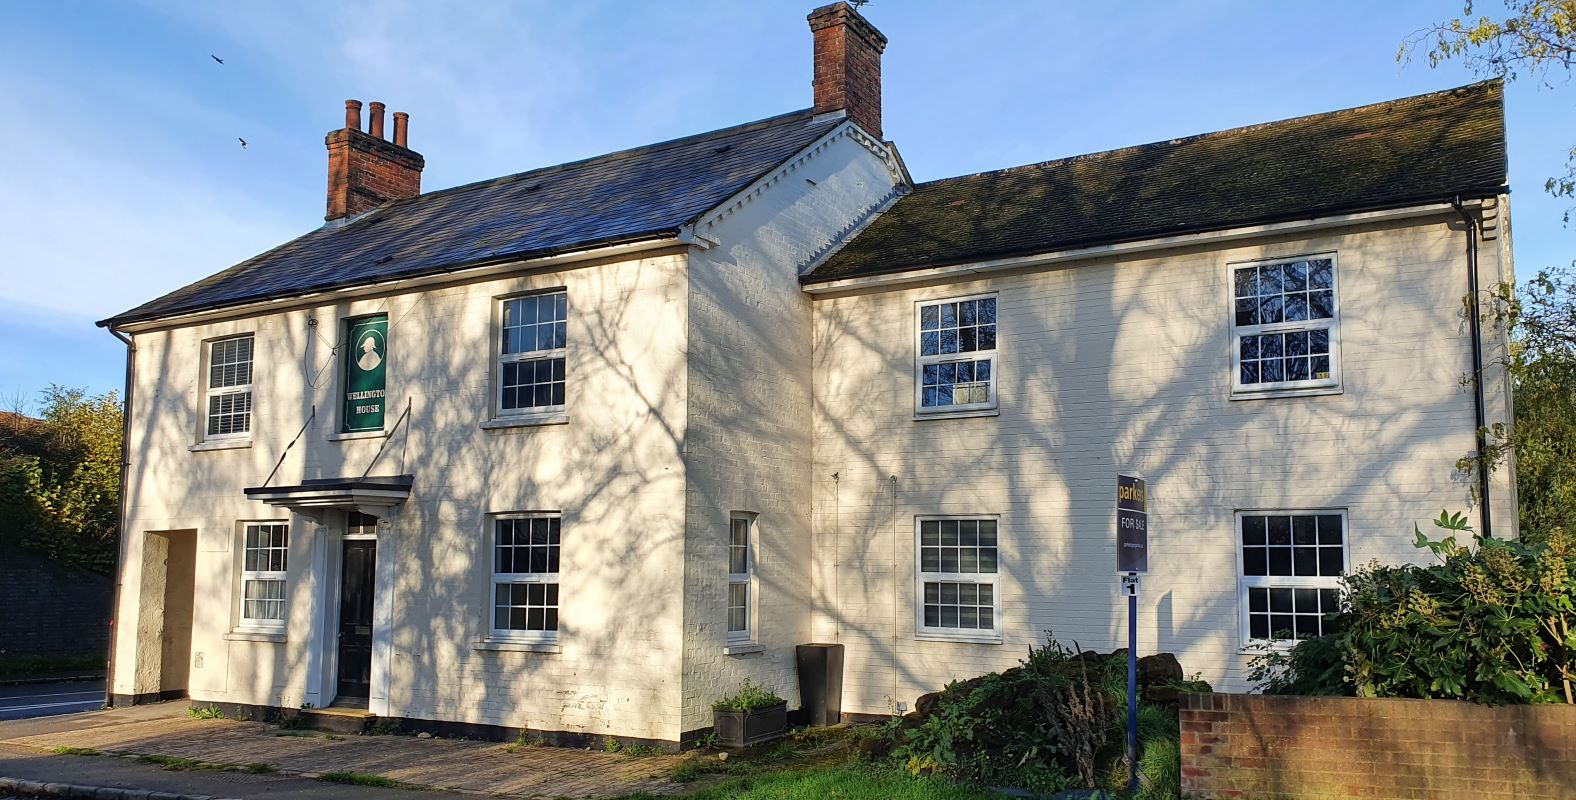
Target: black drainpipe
[(120, 539), (1474, 325)]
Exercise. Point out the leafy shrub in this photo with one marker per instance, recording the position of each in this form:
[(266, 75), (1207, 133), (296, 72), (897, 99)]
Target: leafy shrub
[(1491, 622), (749, 698), (60, 479), (1056, 722)]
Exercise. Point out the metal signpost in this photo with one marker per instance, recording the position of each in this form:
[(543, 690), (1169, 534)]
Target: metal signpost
[(1132, 560)]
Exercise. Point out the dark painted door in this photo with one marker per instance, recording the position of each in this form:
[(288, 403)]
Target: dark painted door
[(355, 618)]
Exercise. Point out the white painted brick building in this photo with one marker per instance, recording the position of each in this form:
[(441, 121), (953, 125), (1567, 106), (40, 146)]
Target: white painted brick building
[(579, 450)]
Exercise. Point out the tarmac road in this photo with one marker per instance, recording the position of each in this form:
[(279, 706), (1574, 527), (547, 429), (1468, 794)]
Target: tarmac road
[(48, 699)]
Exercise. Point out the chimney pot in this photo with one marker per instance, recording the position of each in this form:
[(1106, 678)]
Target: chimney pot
[(848, 65), (401, 127), (376, 128), (364, 170)]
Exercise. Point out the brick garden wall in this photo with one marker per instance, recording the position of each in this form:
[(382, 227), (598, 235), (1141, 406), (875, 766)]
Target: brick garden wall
[(1256, 746), (49, 610)]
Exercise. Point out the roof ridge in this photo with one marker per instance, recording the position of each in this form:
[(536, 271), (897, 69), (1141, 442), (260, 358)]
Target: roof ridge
[(616, 155), (1181, 140)]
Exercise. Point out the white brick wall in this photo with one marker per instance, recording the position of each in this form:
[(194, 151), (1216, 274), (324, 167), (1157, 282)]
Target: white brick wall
[(615, 470), (1115, 365), (748, 447)]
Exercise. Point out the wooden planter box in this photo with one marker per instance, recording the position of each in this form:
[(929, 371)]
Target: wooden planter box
[(744, 728)]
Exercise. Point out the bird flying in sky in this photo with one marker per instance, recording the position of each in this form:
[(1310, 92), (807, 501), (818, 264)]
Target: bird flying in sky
[(216, 58), (243, 143)]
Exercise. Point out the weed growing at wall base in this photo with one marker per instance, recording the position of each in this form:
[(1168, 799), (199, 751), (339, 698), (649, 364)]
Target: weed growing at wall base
[(364, 779), (204, 712)]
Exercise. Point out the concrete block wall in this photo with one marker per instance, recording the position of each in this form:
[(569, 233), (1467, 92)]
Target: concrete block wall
[(1314, 748)]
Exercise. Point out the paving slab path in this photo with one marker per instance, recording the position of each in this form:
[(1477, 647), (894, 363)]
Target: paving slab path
[(457, 765)]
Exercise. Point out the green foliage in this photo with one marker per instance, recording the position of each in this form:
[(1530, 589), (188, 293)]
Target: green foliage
[(23, 666), (1534, 36), (749, 698), (1312, 668), (1055, 723), (205, 712), (74, 751), (364, 779), (174, 764), (1540, 322), (385, 727), (60, 479), (1491, 622)]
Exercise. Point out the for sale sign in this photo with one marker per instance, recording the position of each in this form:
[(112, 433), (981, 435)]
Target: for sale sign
[(1132, 524)]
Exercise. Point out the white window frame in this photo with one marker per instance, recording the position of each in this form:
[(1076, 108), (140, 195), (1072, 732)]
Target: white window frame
[(282, 576), (745, 578), (1312, 386), (210, 391), (977, 636), (921, 361), (500, 359), (1246, 582), (497, 578)]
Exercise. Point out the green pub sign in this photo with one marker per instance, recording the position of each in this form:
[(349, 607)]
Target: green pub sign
[(366, 367)]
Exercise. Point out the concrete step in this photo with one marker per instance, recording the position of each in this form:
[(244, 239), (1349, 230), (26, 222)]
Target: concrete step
[(338, 720)]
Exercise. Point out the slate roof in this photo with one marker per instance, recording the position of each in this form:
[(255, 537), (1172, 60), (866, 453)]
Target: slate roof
[(632, 195), (1422, 149)]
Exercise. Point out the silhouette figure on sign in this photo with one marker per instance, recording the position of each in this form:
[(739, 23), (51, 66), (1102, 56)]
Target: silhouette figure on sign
[(369, 359)]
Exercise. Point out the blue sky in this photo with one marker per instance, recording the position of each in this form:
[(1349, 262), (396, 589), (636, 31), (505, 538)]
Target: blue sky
[(124, 178)]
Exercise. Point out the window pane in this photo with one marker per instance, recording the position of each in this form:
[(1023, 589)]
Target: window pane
[(1321, 273), (1259, 626), (1253, 530), (1243, 281), (1255, 561), (1305, 561), (1330, 561), (1330, 529)]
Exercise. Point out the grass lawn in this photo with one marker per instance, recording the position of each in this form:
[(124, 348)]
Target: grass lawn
[(810, 765), (846, 782)]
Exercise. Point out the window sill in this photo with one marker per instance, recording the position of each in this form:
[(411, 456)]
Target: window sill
[(930, 636), (220, 444), (346, 437), (965, 414), (243, 635), (742, 649), (525, 421), (1268, 394), (507, 646)]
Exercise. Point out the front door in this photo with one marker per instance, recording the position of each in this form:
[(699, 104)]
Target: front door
[(355, 619)]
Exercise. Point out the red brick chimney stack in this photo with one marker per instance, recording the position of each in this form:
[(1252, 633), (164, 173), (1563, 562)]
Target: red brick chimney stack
[(364, 169), (848, 65)]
